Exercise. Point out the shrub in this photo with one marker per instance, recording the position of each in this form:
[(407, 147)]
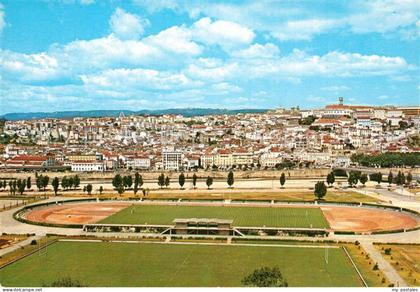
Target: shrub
[(265, 277), (34, 242), (375, 267), (388, 251), (66, 282)]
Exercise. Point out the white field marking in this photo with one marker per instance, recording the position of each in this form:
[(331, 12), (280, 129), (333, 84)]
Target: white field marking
[(203, 243), (79, 240)]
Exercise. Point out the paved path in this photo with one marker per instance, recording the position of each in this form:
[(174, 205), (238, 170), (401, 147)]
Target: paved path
[(384, 266), (393, 198), (18, 245)]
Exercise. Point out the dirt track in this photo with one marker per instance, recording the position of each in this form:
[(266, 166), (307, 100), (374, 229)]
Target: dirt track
[(340, 218), (367, 219), (75, 213)]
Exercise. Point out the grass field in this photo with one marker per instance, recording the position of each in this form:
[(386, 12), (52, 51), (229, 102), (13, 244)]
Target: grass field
[(280, 195), (151, 265), (405, 259), (241, 216)]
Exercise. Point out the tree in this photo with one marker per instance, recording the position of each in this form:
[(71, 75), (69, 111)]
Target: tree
[(161, 180), (128, 181), (28, 183), (330, 178), (390, 178), (320, 190), (21, 184), (353, 178), (209, 181), (11, 187), (89, 189), (230, 179), (117, 181), (387, 159), (45, 180), (265, 277), (101, 189), (70, 182), (400, 179), (282, 179), (194, 180), (135, 189), (39, 182), (377, 177), (14, 186), (64, 182), (138, 180), (409, 178), (55, 184), (181, 180), (363, 179), (120, 190), (76, 181), (167, 181)]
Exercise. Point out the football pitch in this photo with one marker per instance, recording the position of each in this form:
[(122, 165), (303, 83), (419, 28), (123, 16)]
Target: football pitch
[(241, 216), (100, 264)]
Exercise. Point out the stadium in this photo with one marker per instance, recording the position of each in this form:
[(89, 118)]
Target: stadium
[(202, 242)]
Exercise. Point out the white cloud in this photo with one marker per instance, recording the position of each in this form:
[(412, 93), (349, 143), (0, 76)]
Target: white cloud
[(34, 67), (215, 73), (224, 33), (105, 53), (126, 25), (298, 64), (139, 78), (304, 29), (384, 15), (225, 88), (268, 50), (340, 64), (175, 39), (296, 20)]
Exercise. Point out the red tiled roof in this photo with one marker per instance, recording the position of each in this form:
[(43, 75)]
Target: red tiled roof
[(29, 158)]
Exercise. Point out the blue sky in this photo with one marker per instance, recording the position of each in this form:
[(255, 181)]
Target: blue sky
[(151, 54)]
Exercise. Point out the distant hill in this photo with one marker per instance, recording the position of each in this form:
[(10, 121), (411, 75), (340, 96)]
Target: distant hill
[(187, 112)]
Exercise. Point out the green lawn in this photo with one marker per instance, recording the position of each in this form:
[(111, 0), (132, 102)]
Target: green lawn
[(157, 264), (241, 216)]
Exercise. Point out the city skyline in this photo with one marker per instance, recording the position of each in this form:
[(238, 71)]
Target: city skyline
[(132, 55)]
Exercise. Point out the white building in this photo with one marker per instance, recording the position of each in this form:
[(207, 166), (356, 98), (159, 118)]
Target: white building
[(171, 159), (138, 162), (82, 166)]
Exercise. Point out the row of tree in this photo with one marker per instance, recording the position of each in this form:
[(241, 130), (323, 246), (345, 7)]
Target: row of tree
[(354, 177), (72, 182), (123, 183), (164, 181), (387, 159), (400, 179), (16, 185)]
